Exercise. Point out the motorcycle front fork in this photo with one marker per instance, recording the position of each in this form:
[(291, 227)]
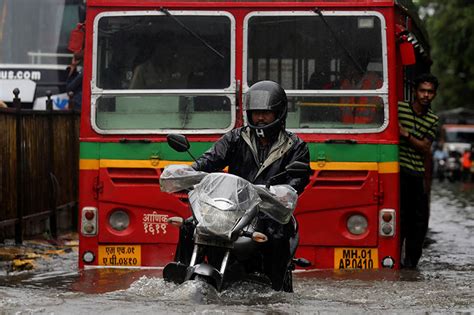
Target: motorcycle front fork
[(225, 259)]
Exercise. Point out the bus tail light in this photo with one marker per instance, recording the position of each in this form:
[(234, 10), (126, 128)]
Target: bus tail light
[(89, 221), (387, 219), (357, 224)]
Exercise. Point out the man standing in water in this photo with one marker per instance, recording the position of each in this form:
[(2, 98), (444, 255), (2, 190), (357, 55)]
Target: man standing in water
[(418, 126)]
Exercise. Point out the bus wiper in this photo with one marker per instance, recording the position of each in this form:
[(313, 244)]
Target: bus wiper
[(165, 11), (341, 141), (348, 53)]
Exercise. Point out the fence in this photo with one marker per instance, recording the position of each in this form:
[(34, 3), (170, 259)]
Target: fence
[(39, 155)]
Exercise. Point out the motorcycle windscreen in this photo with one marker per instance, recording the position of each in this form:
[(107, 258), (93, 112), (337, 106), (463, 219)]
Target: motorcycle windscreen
[(179, 177), (278, 202), (219, 201)]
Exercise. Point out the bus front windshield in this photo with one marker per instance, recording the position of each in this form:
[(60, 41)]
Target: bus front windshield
[(155, 72), (36, 32), (330, 64)]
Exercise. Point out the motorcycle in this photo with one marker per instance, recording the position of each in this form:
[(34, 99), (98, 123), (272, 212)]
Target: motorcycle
[(440, 168), (225, 213), (453, 166)]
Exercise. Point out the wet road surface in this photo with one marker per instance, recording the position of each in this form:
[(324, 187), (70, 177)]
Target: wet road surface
[(442, 284)]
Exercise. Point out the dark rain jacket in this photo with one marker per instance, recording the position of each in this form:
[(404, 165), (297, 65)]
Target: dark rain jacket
[(237, 149)]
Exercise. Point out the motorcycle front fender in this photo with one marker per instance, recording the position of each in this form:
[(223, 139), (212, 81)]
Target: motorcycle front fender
[(207, 271), (175, 272)]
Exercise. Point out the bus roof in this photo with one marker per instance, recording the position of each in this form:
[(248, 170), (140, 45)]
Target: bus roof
[(240, 3), (405, 6)]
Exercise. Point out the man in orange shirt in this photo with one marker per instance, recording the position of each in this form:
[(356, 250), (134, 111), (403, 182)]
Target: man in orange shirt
[(364, 111), (466, 164)]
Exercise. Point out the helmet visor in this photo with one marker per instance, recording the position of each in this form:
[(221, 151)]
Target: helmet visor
[(258, 100)]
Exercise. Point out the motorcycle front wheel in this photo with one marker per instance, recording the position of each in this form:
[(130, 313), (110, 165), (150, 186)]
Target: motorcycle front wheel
[(205, 279)]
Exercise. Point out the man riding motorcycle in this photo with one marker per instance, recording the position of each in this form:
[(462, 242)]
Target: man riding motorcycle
[(257, 152)]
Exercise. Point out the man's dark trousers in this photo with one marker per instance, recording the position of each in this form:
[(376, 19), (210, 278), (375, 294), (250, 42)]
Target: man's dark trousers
[(414, 217)]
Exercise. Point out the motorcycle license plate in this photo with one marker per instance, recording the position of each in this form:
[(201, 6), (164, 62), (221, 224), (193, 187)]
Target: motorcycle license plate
[(120, 255), (355, 258)]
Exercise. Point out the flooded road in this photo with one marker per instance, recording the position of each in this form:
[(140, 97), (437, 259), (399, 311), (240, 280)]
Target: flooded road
[(443, 283)]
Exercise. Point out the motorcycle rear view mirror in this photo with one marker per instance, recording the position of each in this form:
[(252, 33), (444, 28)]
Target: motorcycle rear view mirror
[(297, 169), (179, 143)]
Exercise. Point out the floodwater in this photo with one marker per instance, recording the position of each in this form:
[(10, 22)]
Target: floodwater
[(442, 284)]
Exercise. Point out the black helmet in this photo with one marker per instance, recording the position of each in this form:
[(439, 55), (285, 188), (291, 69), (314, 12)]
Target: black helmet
[(267, 95)]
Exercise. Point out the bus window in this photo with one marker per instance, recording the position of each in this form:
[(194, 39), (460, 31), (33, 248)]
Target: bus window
[(356, 112), (336, 62), (169, 78), (155, 52), (126, 112)]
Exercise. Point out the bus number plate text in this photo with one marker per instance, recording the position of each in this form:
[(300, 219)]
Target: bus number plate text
[(356, 258), (119, 255)]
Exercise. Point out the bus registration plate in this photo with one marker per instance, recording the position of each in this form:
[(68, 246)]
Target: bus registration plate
[(119, 255), (356, 258)]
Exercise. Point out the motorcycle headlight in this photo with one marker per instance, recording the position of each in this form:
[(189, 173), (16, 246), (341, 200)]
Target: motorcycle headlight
[(217, 216)]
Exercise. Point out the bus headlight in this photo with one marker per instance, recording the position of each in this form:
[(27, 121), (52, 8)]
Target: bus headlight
[(357, 224), (119, 220)]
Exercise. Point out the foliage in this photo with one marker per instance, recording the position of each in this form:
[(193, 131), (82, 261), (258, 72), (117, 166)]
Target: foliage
[(450, 25)]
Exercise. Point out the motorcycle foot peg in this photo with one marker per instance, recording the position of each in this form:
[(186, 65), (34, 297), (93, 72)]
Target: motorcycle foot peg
[(301, 262)]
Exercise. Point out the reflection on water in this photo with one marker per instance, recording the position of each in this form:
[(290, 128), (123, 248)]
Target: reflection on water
[(451, 228), (443, 283)]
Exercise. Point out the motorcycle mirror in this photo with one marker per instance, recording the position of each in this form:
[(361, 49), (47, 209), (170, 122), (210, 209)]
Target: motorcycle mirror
[(178, 142), (297, 169)]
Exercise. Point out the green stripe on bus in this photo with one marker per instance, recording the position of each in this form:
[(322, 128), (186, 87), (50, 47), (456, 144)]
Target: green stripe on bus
[(318, 151), (138, 151), (353, 152)]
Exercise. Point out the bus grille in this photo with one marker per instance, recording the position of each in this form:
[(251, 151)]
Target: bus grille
[(343, 178), (133, 176)]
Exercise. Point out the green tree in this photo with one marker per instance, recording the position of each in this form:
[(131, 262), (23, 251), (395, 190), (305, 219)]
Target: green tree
[(450, 26)]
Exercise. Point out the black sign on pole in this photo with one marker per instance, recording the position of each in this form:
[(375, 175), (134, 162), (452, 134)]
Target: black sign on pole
[(19, 167), (53, 182)]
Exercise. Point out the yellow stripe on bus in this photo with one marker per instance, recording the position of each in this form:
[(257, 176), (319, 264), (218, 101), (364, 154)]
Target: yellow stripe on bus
[(96, 164), (383, 167), (139, 163), (88, 164)]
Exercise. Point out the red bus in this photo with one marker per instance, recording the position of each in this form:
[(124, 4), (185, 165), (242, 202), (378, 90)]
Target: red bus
[(158, 67)]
